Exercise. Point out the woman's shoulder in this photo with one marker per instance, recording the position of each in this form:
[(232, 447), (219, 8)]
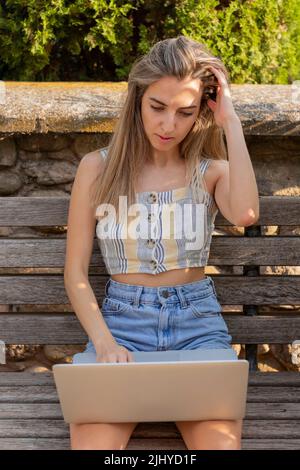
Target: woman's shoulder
[(216, 164), (93, 161), (96, 157), (214, 169)]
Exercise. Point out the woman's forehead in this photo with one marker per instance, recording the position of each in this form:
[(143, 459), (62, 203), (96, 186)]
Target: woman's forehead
[(174, 82), (171, 87)]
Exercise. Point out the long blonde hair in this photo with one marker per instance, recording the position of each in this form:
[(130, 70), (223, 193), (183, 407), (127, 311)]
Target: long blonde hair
[(129, 147)]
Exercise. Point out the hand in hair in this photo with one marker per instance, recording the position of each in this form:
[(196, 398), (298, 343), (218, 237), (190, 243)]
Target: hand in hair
[(223, 107)]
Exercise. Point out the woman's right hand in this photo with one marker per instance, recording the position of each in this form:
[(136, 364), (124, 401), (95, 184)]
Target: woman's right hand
[(110, 351)]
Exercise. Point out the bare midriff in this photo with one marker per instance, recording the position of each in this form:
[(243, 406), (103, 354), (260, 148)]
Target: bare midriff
[(166, 278)]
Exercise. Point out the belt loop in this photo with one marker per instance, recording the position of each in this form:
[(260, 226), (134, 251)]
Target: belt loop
[(106, 287), (183, 301), (138, 294)]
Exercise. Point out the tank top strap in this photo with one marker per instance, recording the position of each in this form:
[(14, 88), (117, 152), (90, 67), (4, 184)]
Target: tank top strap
[(204, 164), (103, 152)]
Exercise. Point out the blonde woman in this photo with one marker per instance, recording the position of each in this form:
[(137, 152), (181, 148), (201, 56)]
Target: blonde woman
[(154, 192)]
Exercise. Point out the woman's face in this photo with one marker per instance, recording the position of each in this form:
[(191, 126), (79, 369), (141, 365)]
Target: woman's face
[(169, 109)]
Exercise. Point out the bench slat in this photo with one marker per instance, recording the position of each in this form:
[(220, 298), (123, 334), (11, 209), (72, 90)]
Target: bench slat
[(225, 251), (48, 394), (252, 290), (53, 411), (272, 415), (270, 444), (282, 379), (63, 328), (144, 444), (252, 429), (64, 444), (49, 211)]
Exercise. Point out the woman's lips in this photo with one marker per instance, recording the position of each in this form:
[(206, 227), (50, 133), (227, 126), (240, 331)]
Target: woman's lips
[(165, 138)]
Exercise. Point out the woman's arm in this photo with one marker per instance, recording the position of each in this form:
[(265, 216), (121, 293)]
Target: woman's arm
[(85, 306), (237, 183), (80, 240), (236, 192), (243, 192)]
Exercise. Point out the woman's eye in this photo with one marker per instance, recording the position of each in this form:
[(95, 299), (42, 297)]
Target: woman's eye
[(161, 109)]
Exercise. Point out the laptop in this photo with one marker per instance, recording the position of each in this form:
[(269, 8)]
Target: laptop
[(184, 385)]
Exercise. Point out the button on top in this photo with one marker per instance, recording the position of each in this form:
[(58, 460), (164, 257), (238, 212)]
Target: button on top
[(150, 243), (165, 294), (151, 217), (152, 197)]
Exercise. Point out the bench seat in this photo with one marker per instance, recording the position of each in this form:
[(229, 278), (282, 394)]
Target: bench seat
[(32, 276), (31, 417)]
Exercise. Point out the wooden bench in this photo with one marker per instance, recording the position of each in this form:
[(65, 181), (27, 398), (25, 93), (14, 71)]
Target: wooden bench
[(30, 414)]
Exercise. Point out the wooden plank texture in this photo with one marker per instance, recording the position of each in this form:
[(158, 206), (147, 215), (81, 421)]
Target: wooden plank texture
[(252, 429), (30, 412), (50, 211), (264, 410), (31, 418), (257, 378), (48, 394), (143, 444), (252, 290), (224, 251), (25, 328)]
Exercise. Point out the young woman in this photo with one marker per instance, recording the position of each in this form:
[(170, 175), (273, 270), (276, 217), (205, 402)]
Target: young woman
[(168, 161)]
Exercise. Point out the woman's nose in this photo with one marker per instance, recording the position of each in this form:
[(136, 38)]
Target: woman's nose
[(168, 124)]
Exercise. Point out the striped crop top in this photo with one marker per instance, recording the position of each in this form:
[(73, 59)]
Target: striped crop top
[(170, 231)]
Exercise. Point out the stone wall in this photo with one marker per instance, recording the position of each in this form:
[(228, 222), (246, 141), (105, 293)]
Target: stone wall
[(45, 133)]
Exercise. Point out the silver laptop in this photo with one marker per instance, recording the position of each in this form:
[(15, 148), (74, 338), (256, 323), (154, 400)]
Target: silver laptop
[(201, 384)]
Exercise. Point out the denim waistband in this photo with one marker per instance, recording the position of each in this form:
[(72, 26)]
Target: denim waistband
[(161, 294)]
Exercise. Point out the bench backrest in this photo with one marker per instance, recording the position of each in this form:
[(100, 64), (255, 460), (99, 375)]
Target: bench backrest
[(248, 289)]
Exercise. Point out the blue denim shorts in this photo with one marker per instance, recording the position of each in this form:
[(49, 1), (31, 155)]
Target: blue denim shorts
[(186, 316)]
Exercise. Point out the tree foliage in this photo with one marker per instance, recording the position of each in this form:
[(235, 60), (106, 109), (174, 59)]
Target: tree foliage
[(50, 40)]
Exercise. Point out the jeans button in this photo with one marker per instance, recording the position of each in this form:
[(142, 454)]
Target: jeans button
[(165, 294)]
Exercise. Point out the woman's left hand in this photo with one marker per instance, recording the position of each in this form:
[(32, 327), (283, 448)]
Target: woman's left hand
[(223, 107)]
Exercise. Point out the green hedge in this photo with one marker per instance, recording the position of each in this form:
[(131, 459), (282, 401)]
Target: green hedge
[(51, 40)]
